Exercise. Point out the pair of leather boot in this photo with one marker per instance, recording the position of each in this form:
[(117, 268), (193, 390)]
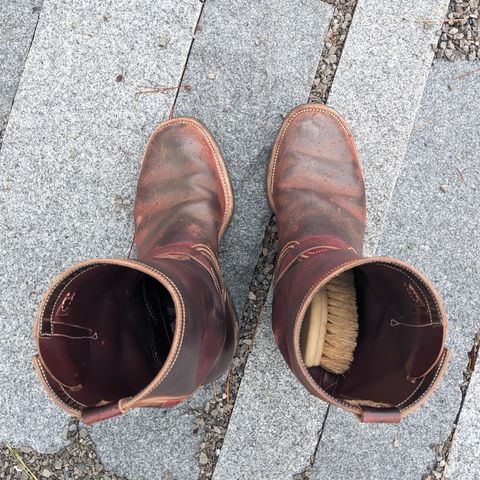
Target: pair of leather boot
[(114, 334)]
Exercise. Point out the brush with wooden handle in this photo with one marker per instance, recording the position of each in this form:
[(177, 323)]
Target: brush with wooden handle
[(332, 325)]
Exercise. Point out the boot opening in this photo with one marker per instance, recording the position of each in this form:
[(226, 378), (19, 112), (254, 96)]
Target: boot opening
[(105, 333), (400, 338)]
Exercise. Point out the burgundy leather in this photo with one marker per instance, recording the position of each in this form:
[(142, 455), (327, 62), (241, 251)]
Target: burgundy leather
[(316, 189), (118, 334)]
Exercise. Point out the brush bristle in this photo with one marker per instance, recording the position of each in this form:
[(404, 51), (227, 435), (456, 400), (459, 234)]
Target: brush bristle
[(342, 324)]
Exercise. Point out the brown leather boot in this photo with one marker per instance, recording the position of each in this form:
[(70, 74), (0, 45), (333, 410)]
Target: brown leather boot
[(315, 187), (112, 334)]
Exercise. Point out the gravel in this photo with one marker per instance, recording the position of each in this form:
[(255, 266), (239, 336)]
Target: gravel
[(332, 50), (460, 33), (78, 460)]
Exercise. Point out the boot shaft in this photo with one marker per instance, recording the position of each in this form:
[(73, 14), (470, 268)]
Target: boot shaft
[(116, 334), (400, 355)]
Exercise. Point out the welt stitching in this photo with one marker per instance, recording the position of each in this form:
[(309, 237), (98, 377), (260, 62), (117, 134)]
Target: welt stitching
[(71, 398), (217, 161), (285, 128), (286, 249), (427, 391), (412, 394), (75, 275), (149, 337), (407, 273)]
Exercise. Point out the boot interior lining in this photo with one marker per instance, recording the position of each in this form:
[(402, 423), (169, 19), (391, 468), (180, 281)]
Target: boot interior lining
[(106, 332), (399, 340)]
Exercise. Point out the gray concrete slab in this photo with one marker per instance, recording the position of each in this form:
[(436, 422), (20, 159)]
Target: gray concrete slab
[(378, 86), (433, 223), (69, 164), (260, 442), (153, 444), (18, 19), (465, 456), (250, 64)]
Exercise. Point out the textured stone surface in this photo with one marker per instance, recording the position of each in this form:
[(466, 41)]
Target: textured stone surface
[(70, 160), (251, 63), (275, 423), (151, 444), (465, 458), (433, 223), (18, 19), (378, 86)]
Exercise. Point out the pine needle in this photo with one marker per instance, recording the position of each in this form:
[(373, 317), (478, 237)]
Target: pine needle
[(21, 463)]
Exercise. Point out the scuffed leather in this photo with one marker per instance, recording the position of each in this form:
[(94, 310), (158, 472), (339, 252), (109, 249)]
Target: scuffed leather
[(184, 203), (316, 189)]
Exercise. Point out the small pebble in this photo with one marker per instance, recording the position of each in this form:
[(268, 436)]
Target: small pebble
[(164, 41)]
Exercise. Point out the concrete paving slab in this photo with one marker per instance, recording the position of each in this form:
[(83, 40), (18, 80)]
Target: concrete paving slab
[(18, 19), (433, 223), (274, 427), (378, 86), (151, 444), (69, 163), (465, 456), (250, 64)]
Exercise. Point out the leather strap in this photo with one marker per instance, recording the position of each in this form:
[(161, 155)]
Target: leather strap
[(380, 415), (97, 414)]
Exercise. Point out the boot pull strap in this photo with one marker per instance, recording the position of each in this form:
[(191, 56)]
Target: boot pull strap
[(380, 415), (97, 414)]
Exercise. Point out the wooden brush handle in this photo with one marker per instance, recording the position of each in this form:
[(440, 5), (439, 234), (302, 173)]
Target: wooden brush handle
[(316, 328)]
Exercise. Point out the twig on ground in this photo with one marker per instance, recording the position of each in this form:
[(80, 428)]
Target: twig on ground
[(214, 389), (462, 177), (467, 74), (21, 463), (227, 389), (147, 90), (432, 21)]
